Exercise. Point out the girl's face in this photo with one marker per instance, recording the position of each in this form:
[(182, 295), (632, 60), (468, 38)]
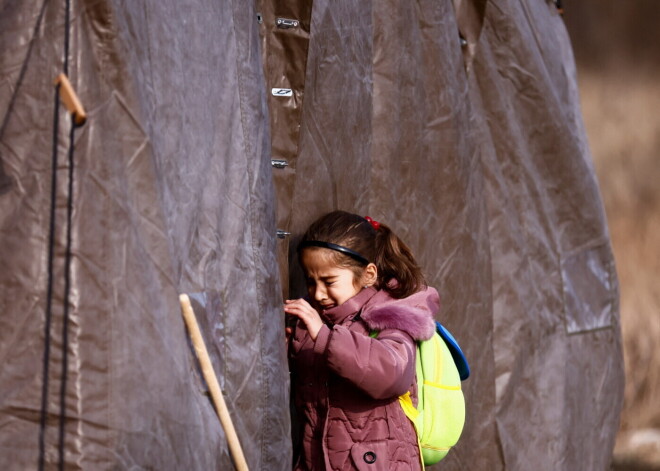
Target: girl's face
[(329, 285)]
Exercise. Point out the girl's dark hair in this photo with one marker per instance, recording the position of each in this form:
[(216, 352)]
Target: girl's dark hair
[(391, 256)]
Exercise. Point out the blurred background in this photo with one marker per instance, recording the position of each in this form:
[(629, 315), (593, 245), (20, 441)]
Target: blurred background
[(617, 50)]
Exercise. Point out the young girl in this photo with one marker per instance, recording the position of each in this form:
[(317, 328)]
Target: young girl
[(346, 380)]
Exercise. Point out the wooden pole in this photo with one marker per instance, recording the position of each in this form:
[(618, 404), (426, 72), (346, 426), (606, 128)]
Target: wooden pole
[(212, 381)]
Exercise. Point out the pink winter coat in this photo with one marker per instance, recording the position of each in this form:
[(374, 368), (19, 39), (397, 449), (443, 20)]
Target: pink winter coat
[(346, 384)]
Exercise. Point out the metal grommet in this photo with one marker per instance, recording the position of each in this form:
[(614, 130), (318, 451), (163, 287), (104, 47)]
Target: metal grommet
[(279, 163), (285, 23), (282, 234), (369, 457)]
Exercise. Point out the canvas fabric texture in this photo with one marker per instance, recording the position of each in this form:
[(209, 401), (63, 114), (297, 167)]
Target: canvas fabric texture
[(473, 151)]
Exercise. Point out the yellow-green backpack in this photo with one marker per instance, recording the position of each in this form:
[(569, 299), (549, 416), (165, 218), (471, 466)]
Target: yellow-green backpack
[(440, 413)]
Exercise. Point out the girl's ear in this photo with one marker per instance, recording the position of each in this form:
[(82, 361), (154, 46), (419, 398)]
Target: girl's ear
[(369, 275)]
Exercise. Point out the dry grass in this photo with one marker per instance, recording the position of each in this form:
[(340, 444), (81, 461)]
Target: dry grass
[(623, 125)]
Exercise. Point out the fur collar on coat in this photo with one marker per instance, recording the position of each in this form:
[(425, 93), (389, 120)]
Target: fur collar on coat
[(413, 315)]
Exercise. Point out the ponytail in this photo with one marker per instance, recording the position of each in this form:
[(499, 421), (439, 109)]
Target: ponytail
[(398, 271), (395, 261)]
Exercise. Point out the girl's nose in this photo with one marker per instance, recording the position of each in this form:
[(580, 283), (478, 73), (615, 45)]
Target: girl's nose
[(319, 293)]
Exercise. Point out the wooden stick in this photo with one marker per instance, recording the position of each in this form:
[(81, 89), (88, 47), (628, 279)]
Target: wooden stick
[(70, 99), (212, 381)]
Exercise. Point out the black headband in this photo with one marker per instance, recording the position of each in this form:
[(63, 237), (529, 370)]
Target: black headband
[(328, 245)]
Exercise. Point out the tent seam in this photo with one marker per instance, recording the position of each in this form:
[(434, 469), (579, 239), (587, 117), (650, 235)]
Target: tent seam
[(258, 283)]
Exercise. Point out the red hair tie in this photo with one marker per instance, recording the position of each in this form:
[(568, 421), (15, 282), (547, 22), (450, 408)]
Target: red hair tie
[(374, 224)]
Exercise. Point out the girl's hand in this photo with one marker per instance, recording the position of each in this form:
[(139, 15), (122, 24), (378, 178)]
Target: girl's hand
[(305, 312)]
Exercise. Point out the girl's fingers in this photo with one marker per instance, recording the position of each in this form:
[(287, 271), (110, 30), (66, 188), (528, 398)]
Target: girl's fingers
[(299, 304), (304, 311), (299, 312), (294, 310), (300, 301)]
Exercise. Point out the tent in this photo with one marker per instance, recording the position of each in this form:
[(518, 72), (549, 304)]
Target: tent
[(215, 133)]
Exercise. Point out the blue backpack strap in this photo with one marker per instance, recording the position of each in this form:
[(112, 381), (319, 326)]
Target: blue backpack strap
[(456, 352)]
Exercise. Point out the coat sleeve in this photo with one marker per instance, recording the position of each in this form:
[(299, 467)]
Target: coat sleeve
[(382, 367)]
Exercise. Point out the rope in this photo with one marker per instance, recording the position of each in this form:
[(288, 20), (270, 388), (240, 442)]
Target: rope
[(49, 290), (67, 272), (67, 34), (67, 289)]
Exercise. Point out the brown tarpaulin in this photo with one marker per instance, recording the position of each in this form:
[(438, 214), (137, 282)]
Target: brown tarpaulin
[(460, 130)]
